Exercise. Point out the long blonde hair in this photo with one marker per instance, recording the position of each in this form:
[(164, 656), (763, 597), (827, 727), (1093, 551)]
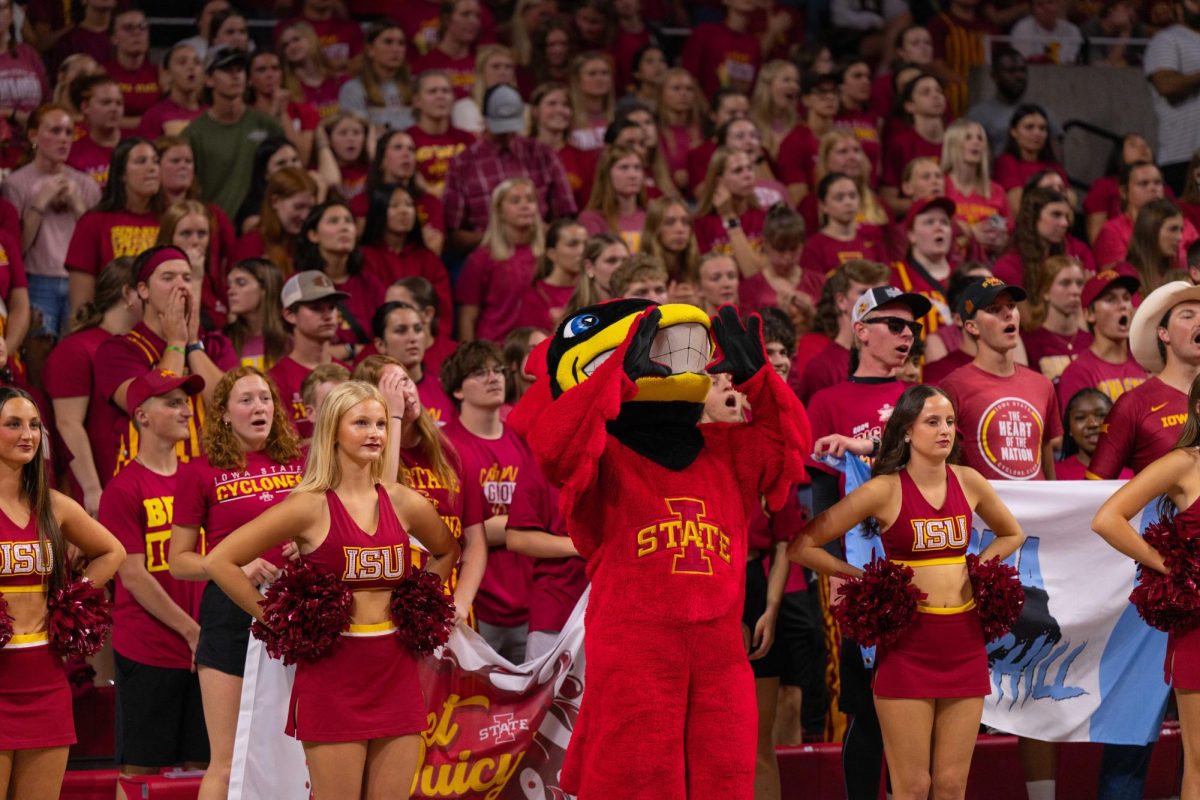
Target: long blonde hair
[(716, 169), (870, 209), (371, 81), (495, 240), (693, 118), (683, 267), (291, 81), (952, 147), (578, 106), (604, 197), (323, 470), (763, 110), (483, 55)]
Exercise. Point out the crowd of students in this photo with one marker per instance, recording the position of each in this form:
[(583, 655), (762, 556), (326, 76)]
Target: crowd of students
[(418, 201)]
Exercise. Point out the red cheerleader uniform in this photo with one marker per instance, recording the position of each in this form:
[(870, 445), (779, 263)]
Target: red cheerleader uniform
[(33, 682), (367, 686), (1183, 649), (942, 653)]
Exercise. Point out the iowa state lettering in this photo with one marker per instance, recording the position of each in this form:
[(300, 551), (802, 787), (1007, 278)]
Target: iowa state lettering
[(688, 534), (263, 485), (159, 513), (374, 563), (24, 558)]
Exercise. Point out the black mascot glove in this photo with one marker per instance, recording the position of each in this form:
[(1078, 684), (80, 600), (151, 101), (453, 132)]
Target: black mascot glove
[(638, 363), (742, 353)]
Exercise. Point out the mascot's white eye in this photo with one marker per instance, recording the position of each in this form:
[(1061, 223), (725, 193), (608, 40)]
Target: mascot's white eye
[(580, 325)]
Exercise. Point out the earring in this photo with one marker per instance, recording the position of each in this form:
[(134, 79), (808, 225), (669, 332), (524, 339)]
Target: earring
[(907, 439)]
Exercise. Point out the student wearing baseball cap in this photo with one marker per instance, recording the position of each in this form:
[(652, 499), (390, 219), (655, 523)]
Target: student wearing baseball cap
[(167, 338), (310, 311), (1106, 364), (160, 719), (1016, 406)]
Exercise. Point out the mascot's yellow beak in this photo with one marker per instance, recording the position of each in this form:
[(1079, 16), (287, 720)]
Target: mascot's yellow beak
[(683, 345)]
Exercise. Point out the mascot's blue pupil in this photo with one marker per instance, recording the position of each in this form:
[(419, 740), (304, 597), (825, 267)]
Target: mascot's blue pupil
[(581, 324)]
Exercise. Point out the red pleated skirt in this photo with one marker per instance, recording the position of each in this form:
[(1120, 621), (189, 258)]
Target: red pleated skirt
[(35, 699), (939, 655), (1183, 660)]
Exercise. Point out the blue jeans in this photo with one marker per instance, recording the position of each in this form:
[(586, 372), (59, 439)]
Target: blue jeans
[(49, 296), (1123, 771)]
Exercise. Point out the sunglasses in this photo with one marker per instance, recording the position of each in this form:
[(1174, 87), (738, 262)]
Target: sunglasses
[(895, 325)]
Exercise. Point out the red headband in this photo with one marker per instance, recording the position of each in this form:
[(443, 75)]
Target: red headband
[(162, 256)]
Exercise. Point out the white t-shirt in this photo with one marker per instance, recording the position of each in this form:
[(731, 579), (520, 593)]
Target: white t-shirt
[(1176, 48), (1059, 46)]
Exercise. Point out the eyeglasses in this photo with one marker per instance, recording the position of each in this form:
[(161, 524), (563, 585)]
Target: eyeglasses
[(895, 325), (135, 27), (483, 373)]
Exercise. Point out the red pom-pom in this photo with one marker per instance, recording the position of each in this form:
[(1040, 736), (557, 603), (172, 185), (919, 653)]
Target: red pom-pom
[(876, 608), (424, 616), (79, 619), (304, 614), (1170, 602), (6, 628), (998, 595)]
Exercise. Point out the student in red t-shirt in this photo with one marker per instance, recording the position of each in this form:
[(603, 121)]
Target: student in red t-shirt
[(436, 140), (728, 217), (1042, 229), (400, 334), (718, 282), (289, 196), (546, 58), (923, 102), (182, 103), (1141, 184), (1026, 151), (347, 134), (1060, 337), (784, 282), (668, 236), (981, 205), (557, 274), (725, 53), (725, 106), (160, 717), (341, 39), (632, 36), (497, 272), (395, 164), (123, 223), (680, 121), (99, 100), (1083, 418), (1008, 415), (774, 104), (913, 47), (1103, 200), (307, 74), (310, 304), (82, 413), (842, 237), (592, 99), (135, 74), (855, 114), (419, 293), (1159, 245), (618, 201), (1106, 364), (798, 151), (252, 462), (255, 334), (494, 457), (393, 244), (840, 151), (550, 122), (328, 243), (460, 22)]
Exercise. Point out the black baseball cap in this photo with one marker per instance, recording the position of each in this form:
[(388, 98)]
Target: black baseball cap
[(983, 292), (226, 58)]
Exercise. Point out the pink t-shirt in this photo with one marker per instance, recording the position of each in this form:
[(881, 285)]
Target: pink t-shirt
[(45, 257), (496, 289), (23, 84)]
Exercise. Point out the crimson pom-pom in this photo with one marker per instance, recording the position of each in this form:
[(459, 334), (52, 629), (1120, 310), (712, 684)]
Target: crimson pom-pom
[(79, 619), (999, 597), (304, 614), (874, 609), (6, 628), (424, 616), (1170, 602)]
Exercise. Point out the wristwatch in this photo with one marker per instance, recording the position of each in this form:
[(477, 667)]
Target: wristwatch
[(193, 347), (732, 222)]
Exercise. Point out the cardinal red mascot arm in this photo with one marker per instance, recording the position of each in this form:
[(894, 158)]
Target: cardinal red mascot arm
[(659, 507)]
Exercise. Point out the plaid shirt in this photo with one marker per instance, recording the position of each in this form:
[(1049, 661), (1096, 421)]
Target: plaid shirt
[(484, 165)]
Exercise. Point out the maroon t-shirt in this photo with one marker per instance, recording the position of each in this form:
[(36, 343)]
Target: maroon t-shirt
[(458, 511), (434, 398), (1089, 371), (461, 70), (101, 236), (1049, 353), (1004, 421), (70, 372), (558, 583), (160, 113), (127, 357), (865, 127), (934, 372), (543, 304), (139, 87), (798, 156), (137, 508), (719, 56), (1012, 173), (858, 408), (341, 39), (288, 375), (389, 267), (823, 253), (435, 151), (496, 289), (829, 367), (495, 465), (902, 148), (356, 311), (91, 159), (713, 237), (324, 98), (220, 500), (1143, 426)]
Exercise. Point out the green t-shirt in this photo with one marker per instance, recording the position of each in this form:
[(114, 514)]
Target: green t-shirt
[(225, 155)]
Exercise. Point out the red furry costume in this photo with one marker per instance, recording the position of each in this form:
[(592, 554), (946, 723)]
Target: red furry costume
[(659, 507)]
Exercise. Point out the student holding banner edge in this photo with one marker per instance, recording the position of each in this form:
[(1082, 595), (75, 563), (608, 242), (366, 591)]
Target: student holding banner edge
[(929, 686)]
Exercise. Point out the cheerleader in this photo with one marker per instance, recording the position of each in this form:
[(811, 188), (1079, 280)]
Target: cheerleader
[(359, 709), (36, 527), (930, 684)]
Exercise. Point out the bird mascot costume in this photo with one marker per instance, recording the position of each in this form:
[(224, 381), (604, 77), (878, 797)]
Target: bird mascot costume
[(659, 506)]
